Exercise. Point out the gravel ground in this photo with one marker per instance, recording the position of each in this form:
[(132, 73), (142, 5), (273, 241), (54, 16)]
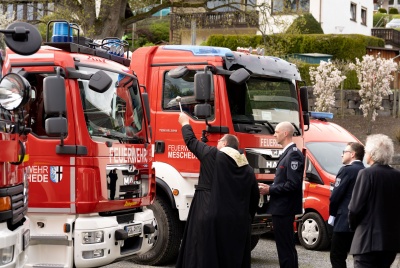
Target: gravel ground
[(265, 255)]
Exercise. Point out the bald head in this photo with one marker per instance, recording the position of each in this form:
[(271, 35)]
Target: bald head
[(283, 133)]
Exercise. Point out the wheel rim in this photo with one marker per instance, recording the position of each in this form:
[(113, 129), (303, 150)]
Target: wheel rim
[(310, 232)]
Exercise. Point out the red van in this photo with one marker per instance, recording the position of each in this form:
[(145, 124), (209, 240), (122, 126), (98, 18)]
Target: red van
[(325, 142)]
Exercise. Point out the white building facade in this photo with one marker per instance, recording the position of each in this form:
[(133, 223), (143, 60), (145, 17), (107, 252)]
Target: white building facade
[(335, 16)]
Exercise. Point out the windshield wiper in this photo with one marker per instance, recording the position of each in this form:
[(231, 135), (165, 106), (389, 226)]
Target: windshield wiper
[(251, 121), (297, 129)]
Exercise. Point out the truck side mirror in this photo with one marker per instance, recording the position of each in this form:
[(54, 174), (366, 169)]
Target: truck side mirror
[(178, 72), (14, 91), (304, 106), (304, 99), (239, 76), (55, 105), (202, 110), (202, 86), (100, 82), (22, 38)]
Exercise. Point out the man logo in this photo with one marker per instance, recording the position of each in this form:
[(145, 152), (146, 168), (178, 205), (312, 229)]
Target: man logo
[(294, 165), (56, 173)]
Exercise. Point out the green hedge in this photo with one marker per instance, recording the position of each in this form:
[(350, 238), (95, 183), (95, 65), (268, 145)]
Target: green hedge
[(340, 46)]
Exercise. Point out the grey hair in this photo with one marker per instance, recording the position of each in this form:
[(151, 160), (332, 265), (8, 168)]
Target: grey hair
[(380, 148)]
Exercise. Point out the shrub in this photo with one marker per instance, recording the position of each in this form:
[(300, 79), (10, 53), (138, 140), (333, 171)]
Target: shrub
[(305, 24), (380, 19), (382, 10), (393, 10)]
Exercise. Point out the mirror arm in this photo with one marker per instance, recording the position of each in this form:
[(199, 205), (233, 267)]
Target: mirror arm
[(18, 33)]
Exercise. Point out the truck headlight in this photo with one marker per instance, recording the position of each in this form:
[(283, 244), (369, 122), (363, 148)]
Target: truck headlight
[(92, 237), (6, 255)]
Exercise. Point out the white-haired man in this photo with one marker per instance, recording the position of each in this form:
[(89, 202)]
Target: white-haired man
[(374, 207)]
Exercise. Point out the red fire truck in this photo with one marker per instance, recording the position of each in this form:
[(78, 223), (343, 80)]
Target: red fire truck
[(15, 92), (223, 91), (90, 158)]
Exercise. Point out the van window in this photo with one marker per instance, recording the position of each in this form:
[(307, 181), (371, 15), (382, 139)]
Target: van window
[(328, 155)]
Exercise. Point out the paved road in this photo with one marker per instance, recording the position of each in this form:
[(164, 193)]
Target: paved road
[(264, 255)]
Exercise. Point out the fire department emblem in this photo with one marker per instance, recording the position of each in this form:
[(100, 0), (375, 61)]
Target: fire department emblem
[(294, 165), (56, 173)]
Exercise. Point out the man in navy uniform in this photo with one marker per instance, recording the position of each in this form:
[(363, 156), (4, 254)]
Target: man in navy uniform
[(342, 236), (286, 195)]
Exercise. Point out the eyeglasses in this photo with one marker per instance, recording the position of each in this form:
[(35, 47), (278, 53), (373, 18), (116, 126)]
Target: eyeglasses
[(346, 152)]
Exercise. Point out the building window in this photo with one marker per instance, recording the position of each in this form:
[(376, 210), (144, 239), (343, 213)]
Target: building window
[(290, 6), (20, 12), (30, 12), (40, 11), (353, 11), (364, 16), (391, 2), (10, 10)]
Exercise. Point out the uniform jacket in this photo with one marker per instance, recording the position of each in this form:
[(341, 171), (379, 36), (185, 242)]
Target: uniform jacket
[(217, 232), (374, 210), (286, 193), (341, 195)]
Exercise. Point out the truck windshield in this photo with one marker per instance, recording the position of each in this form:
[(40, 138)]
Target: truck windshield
[(263, 101), (115, 114)]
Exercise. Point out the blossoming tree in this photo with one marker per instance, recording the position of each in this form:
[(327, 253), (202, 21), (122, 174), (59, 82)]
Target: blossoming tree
[(374, 76), (326, 78)]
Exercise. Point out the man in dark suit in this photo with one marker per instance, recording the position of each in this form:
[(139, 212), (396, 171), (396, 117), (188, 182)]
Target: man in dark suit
[(286, 195), (374, 207), (342, 236)]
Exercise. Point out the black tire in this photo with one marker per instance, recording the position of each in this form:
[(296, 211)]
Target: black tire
[(312, 233), (254, 241), (169, 231)]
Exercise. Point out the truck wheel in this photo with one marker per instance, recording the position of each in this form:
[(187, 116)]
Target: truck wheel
[(168, 235), (254, 241), (313, 234)]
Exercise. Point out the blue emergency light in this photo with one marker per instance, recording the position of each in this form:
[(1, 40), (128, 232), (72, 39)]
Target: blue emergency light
[(321, 115), (60, 32)]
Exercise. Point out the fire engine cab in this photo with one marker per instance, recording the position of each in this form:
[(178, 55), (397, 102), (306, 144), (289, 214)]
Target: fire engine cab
[(90, 159), (15, 92), (223, 91)]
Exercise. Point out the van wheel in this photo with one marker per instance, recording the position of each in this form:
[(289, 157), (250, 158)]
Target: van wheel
[(312, 233), (254, 241), (168, 235)]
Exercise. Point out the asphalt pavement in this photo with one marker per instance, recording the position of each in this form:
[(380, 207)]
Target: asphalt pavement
[(265, 255)]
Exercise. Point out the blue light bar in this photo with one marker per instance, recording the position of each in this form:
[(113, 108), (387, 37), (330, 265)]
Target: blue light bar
[(201, 50), (60, 32), (321, 115)]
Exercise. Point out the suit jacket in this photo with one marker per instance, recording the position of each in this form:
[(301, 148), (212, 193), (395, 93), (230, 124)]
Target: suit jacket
[(341, 195), (286, 193), (374, 210)]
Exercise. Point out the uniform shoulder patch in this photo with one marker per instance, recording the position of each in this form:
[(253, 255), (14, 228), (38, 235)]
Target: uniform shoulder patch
[(295, 149), (294, 165), (337, 182)]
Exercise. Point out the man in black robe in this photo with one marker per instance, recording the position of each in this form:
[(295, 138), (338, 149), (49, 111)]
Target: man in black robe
[(218, 229)]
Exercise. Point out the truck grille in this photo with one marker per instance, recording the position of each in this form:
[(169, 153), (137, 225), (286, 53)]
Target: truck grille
[(263, 161), (19, 204)]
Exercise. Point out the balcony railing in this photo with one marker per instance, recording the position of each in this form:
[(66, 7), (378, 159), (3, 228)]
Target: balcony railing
[(214, 20), (391, 36)]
